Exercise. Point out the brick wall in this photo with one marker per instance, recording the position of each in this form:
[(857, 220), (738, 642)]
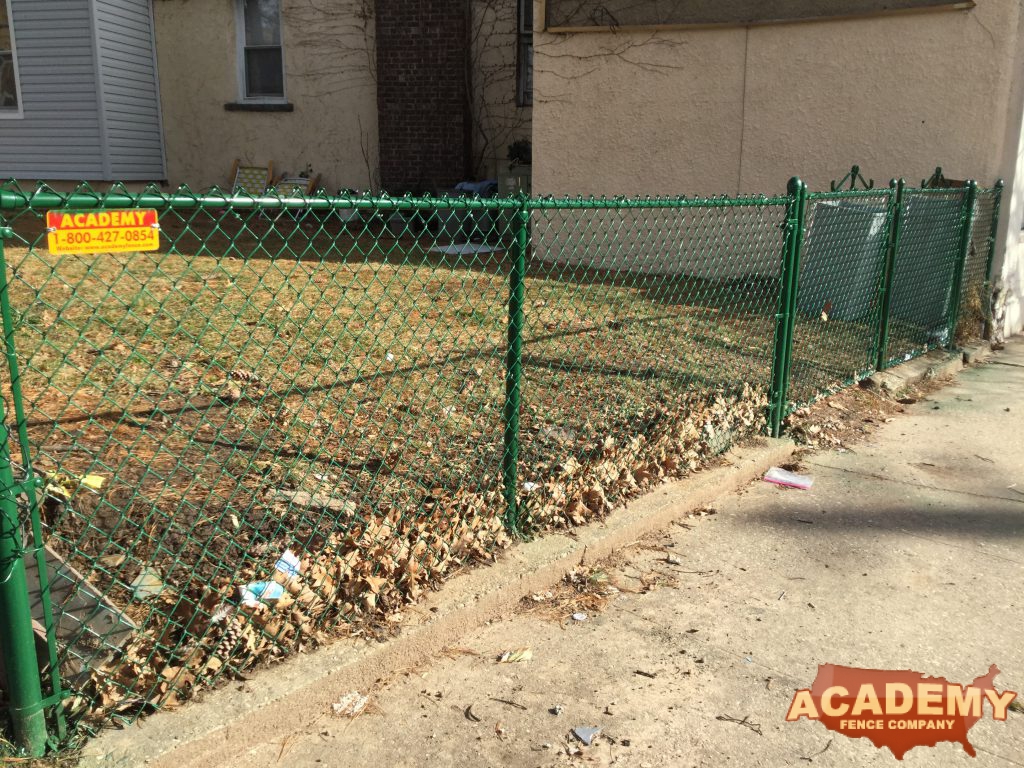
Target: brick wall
[(425, 129)]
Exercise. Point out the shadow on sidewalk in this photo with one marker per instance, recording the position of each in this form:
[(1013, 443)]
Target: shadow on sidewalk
[(980, 518)]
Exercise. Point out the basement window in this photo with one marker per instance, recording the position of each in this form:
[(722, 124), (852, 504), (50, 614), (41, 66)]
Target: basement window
[(615, 15)]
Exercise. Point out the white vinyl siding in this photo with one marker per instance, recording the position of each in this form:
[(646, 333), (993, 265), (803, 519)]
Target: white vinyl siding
[(130, 95), (58, 136), (89, 93)]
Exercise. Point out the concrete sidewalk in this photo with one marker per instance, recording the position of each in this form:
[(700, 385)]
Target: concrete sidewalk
[(907, 553)]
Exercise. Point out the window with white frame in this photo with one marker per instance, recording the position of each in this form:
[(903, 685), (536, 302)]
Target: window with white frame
[(261, 62), (10, 98), (524, 69)]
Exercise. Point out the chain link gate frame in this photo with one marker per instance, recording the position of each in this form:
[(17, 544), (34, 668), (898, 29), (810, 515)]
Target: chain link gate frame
[(576, 350)]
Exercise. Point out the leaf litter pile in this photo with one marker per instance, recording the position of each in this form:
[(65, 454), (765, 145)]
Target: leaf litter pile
[(848, 417), (263, 455), (583, 591)]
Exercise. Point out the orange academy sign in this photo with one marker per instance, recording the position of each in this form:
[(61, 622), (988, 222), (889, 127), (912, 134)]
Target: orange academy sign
[(899, 709), (102, 231)]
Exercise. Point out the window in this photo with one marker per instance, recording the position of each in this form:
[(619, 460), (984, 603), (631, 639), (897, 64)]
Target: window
[(612, 15), (10, 100), (261, 63), (524, 70)]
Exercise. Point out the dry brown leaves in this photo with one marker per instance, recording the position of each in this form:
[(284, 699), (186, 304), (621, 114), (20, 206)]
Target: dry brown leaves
[(668, 441), (360, 575), (583, 590), (365, 574), (849, 416)]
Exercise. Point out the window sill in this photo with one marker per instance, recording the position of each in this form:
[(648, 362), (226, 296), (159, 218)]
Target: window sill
[(259, 106)]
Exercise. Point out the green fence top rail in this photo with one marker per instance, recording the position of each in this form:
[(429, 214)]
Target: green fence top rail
[(543, 203), (44, 198), (849, 194), (13, 198)]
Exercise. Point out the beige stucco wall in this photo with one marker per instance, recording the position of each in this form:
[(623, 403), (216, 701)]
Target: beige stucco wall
[(740, 110), (497, 119), (329, 78), (737, 109)]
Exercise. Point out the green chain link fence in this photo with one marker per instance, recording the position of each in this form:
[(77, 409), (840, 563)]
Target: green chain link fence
[(975, 296), (298, 415)]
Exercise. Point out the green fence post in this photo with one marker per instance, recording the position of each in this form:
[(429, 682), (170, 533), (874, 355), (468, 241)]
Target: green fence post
[(785, 318), (885, 296), (17, 638), (793, 295), (967, 214), (30, 486), (997, 205), (514, 363)]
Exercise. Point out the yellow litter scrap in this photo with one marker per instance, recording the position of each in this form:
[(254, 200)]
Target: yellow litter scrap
[(518, 654)]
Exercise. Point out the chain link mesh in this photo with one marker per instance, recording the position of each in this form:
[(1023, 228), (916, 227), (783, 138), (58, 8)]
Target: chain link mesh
[(924, 270), (846, 236), (649, 338), (296, 416), (323, 382), (974, 301)]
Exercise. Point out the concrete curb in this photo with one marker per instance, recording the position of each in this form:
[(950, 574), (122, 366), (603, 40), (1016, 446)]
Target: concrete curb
[(226, 724), (935, 364)]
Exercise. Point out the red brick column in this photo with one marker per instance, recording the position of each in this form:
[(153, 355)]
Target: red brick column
[(422, 94)]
